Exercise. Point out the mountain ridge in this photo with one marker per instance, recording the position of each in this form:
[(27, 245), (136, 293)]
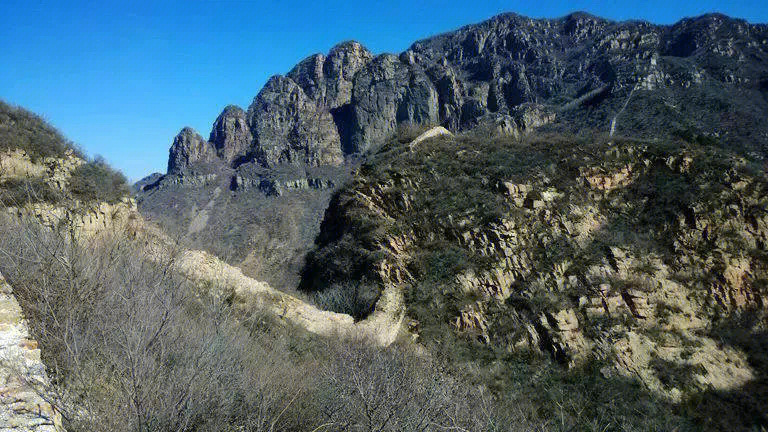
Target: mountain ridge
[(348, 58), (306, 131), (524, 224)]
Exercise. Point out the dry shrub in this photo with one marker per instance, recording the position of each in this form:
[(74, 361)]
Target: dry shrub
[(407, 131), (403, 388), (17, 192), (132, 346)]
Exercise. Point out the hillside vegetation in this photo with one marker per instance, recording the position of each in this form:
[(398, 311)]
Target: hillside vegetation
[(630, 264), (26, 131), (38, 165), (131, 345)]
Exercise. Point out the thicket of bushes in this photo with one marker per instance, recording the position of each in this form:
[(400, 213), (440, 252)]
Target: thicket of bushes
[(22, 130), (97, 181), (93, 181), (15, 192), (131, 346)]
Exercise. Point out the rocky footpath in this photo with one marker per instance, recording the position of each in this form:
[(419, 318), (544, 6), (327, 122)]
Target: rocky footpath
[(251, 296), (24, 385)]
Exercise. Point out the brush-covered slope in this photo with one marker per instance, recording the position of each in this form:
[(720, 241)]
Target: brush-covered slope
[(43, 172), (643, 260), (43, 178), (106, 324)]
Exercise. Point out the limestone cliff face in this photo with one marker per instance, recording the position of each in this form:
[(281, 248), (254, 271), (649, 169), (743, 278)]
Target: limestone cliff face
[(297, 119), (388, 92), (231, 136), (328, 80), (290, 128), (702, 78), (55, 171), (85, 218), (616, 251)]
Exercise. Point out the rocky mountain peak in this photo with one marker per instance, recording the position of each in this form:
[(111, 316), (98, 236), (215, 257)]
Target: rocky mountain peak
[(328, 79), (189, 148), (348, 100), (231, 136), (291, 128)]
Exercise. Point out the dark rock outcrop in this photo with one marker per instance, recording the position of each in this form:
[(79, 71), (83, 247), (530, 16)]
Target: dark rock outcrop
[(231, 136), (290, 128), (599, 74), (189, 148), (388, 92), (329, 80)]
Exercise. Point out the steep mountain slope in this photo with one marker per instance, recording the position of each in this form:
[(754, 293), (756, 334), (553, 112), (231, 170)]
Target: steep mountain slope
[(76, 204), (297, 142), (637, 256)]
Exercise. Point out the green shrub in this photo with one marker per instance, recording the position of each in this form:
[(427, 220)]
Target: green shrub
[(97, 181)]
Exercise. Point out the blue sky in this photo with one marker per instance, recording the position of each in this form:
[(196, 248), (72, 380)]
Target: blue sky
[(122, 78)]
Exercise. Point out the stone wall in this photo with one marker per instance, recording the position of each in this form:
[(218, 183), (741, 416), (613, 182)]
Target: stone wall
[(23, 381)]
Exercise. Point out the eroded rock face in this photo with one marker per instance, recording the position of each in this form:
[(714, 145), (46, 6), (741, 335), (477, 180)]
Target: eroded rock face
[(585, 67), (189, 148), (290, 128), (231, 136), (328, 79), (55, 171), (388, 92)]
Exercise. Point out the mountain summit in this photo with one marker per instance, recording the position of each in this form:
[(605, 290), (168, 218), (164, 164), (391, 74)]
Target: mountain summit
[(499, 71)]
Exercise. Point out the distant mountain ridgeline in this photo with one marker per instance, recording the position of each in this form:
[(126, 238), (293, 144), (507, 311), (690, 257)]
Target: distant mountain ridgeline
[(510, 71)]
